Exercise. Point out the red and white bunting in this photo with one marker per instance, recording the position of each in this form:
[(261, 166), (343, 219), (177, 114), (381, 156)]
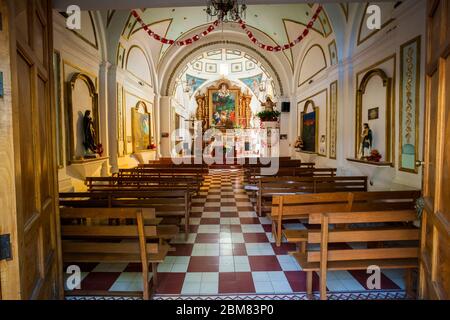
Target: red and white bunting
[(180, 43), (244, 27), (287, 46)]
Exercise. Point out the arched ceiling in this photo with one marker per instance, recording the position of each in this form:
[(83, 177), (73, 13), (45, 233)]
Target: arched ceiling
[(240, 67), (275, 21)]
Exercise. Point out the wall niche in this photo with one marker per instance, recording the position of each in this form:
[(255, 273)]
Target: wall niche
[(374, 107), (81, 96)]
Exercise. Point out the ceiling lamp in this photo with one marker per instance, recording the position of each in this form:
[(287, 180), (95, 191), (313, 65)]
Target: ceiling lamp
[(226, 10)]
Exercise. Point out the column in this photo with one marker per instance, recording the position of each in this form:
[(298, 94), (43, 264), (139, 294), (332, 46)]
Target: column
[(103, 114), (112, 118), (165, 125)]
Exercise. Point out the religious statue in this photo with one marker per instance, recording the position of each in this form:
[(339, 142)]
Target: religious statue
[(298, 143), (269, 104), (366, 142), (89, 133), (202, 113)]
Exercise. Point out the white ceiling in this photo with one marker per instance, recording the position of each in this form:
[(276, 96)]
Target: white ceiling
[(132, 4)]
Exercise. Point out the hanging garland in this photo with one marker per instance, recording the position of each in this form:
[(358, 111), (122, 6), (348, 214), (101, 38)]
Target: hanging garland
[(163, 40), (288, 45), (216, 23)]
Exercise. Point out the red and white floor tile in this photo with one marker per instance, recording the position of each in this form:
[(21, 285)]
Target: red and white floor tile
[(230, 253)]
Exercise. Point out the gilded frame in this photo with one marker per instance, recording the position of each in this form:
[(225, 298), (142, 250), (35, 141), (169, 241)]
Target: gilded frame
[(134, 112), (211, 91), (333, 111), (317, 112), (417, 42)]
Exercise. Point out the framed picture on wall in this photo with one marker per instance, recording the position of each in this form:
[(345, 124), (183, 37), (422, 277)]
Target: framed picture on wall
[(141, 128), (373, 114)]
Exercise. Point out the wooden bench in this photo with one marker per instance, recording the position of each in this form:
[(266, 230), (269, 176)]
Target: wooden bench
[(190, 183), (325, 202), (196, 174), (290, 207), (167, 203), (169, 165), (398, 237), (103, 243), (269, 187), (254, 174)]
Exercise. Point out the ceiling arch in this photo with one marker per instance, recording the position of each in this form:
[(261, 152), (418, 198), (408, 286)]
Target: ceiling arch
[(169, 78)]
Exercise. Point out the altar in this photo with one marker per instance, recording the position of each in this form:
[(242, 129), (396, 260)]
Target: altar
[(224, 106)]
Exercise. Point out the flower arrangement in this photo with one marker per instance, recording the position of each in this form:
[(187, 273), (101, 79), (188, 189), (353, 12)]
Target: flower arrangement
[(375, 156), (268, 115), (152, 146)]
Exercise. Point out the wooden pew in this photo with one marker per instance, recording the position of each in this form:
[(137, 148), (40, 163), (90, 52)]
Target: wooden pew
[(399, 238), (169, 165), (101, 243), (196, 174), (269, 187), (190, 183), (254, 174), (167, 203), (290, 207)]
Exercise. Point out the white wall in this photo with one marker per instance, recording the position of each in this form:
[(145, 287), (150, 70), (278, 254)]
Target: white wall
[(409, 22)]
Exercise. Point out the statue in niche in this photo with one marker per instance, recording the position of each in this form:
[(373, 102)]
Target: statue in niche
[(202, 114), (269, 104), (366, 142), (89, 134)]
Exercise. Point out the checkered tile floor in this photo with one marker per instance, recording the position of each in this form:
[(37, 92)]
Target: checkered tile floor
[(230, 251)]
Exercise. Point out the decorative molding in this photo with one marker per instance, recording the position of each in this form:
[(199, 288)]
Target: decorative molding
[(392, 102), (148, 64), (333, 111), (409, 101), (303, 60), (388, 83), (121, 52), (345, 9), (361, 41), (317, 119), (125, 106), (94, 96), (141, 105), (110, 15), (59, 103), (202, 47), (94, 45), (332, 49)]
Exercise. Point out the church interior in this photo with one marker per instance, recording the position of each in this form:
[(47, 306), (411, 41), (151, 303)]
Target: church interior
[(224, 149)]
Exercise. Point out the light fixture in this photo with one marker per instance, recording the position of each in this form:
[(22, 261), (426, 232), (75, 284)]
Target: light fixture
[(226, 10)]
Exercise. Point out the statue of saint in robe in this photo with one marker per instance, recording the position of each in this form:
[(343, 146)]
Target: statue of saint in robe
[(366, 142), (89, 133), (268, 105)]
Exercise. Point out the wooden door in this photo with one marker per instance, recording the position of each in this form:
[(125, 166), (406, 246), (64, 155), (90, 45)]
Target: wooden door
[(435, 248), (34, 270)]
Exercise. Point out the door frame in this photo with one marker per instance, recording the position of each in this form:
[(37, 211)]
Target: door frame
[(11, 273)]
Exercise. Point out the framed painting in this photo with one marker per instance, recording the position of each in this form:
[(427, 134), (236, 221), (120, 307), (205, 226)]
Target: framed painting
[(409, 105), (223, 106), (141, 128), (373, 114), (309, 126)]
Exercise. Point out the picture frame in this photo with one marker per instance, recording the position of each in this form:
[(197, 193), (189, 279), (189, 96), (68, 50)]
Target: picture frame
[(224, 105), (373, 114)]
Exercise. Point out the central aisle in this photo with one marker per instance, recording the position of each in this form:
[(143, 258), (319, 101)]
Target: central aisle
[(230, 254), (229, 249)]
